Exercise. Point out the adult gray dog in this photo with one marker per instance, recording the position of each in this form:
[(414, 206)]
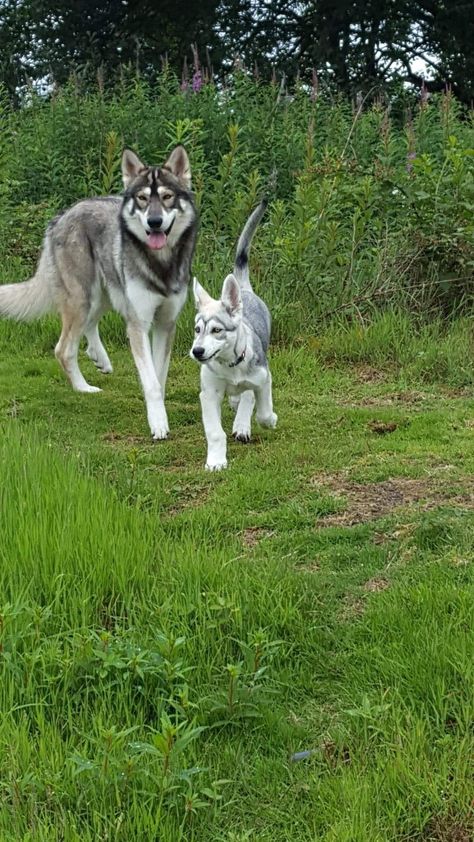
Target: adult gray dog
[(131, 254)]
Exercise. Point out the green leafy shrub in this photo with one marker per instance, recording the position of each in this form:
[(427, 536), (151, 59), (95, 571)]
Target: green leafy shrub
[(371, 210)]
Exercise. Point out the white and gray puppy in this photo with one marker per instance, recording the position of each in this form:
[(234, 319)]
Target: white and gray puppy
[(231, 343)]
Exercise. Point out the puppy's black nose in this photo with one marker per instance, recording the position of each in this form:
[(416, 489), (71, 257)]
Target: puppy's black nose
[(198, 352), (155, 221)]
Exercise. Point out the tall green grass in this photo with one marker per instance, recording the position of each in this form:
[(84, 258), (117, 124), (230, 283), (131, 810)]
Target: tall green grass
[(371, 209), (157, 671), (167, 638)]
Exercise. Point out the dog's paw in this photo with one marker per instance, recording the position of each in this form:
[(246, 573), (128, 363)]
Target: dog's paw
[(268, 420), (158, 421), (100, 360), (160, 433), (216, 466), (107, 368), (87, 389), (242, 436)]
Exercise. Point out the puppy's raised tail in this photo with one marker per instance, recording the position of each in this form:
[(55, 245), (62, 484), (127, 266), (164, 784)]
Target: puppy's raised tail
[(27, 300), (241, 265)]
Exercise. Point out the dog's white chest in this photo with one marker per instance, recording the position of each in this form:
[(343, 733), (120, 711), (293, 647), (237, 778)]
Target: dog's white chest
[(144, 301), (238, 381), (237, 387)]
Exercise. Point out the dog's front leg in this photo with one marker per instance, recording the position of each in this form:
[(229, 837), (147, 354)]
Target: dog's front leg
[(243, 418), (141, 350), (163, 330), (265, 415), (162, 342), (211, 397)]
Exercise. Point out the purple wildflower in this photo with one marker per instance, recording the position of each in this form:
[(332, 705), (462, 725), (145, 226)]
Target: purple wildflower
[(197, 81)]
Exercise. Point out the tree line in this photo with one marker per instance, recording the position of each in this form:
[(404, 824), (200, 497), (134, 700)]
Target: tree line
[(353, 46)]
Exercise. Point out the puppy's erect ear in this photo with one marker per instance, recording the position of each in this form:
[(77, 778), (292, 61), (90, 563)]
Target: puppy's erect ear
[(231, 296), (178, 164), (131, 166), (201, 297)]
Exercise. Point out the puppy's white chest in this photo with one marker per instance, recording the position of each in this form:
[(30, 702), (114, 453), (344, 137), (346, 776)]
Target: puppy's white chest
[(240, 381)]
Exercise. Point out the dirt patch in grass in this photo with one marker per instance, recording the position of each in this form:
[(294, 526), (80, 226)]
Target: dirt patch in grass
[(187, 496), (461, 392), (447, 829), (376, 585), (254, 534), (365, 502), (382, 427), (125, 438), (414, 400), (368, 374), (354, 606), (351, 608)]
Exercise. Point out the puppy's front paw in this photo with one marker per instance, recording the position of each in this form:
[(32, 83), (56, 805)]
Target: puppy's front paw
[(242, 436), (268, 420), (87, 389), (160, 431), (160, 434), (216, 466)]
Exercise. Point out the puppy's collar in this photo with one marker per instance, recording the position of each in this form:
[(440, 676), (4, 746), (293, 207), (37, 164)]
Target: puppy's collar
[(239, 359)]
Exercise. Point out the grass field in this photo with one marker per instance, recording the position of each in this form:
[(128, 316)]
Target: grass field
[(170, 638)]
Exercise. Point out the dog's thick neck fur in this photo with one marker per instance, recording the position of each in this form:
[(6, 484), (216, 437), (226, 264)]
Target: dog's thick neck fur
[(169, 269)]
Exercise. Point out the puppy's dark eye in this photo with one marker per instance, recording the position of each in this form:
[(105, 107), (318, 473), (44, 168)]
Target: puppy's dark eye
[(197, 329), (217, 330)]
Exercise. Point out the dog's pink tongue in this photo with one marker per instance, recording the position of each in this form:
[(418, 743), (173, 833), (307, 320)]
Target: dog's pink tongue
[(157, 241)]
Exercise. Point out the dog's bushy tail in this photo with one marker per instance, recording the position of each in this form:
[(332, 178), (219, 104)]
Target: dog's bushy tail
[(241, 265), (26, 301)]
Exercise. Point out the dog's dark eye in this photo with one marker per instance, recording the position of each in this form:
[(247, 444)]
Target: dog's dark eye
[(142, 197), (217, 330), (167, 196), (197, 329)]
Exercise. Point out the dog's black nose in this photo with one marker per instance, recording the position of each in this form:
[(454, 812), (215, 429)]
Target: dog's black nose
[(198, 352), (155, 221)]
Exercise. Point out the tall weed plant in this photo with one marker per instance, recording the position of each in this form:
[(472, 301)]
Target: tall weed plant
[(371, 210)]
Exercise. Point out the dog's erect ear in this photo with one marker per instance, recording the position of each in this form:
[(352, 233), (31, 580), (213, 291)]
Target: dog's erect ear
[(231, 296), (178, 164), (201, 297), (131, 166)]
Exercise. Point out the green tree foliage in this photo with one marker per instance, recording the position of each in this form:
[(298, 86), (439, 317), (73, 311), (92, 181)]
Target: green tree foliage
[(352, 45), (356, 45), (40, 40)]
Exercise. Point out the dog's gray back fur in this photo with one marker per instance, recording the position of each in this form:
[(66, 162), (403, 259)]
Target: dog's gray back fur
[(255, 312)]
